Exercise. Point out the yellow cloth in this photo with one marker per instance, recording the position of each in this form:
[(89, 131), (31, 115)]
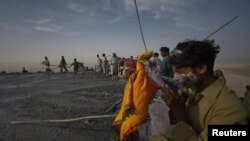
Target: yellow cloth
[(145, 56), (139, 92)]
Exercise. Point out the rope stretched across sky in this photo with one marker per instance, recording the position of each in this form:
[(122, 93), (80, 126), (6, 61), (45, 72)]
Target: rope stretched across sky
[(220, 27), (140, 25)]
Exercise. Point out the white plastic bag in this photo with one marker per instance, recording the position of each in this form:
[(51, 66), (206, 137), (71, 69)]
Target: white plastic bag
[(159, 123)]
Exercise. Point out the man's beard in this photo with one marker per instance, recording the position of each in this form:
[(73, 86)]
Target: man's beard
[(187, 80)]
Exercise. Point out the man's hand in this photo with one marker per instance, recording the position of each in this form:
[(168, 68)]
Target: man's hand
[(175, 102)]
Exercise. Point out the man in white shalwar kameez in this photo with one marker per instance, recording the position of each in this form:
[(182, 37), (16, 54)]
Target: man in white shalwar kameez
[(99, 64), (114, 65)]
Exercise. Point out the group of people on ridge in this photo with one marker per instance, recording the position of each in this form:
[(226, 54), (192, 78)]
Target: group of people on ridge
[(63, 65), (116, 66)]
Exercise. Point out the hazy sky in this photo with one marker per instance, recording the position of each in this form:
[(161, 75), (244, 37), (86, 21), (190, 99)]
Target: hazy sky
[(32, 29)]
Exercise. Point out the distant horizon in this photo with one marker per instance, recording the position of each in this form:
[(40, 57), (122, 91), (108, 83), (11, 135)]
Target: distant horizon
[(39, 67)]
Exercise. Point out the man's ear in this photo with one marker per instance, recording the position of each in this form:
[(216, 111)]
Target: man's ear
[(202, 68)]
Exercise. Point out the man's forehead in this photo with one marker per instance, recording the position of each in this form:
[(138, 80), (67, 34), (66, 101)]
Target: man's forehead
[(183, 69)]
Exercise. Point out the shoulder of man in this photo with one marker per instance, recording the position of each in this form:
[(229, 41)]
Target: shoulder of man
[(229, 106)]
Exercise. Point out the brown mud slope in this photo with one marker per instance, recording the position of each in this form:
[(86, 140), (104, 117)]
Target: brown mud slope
[(57, 96)]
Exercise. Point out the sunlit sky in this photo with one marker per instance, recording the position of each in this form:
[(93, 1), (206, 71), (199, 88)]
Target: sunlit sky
[(32, 29)]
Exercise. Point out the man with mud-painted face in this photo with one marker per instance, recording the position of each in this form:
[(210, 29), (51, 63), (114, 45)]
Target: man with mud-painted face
[(209, 101)]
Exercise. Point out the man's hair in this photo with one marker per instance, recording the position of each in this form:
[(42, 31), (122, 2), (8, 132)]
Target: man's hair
[(156, 54), (194, 53), (164, 49), (103, 54)]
